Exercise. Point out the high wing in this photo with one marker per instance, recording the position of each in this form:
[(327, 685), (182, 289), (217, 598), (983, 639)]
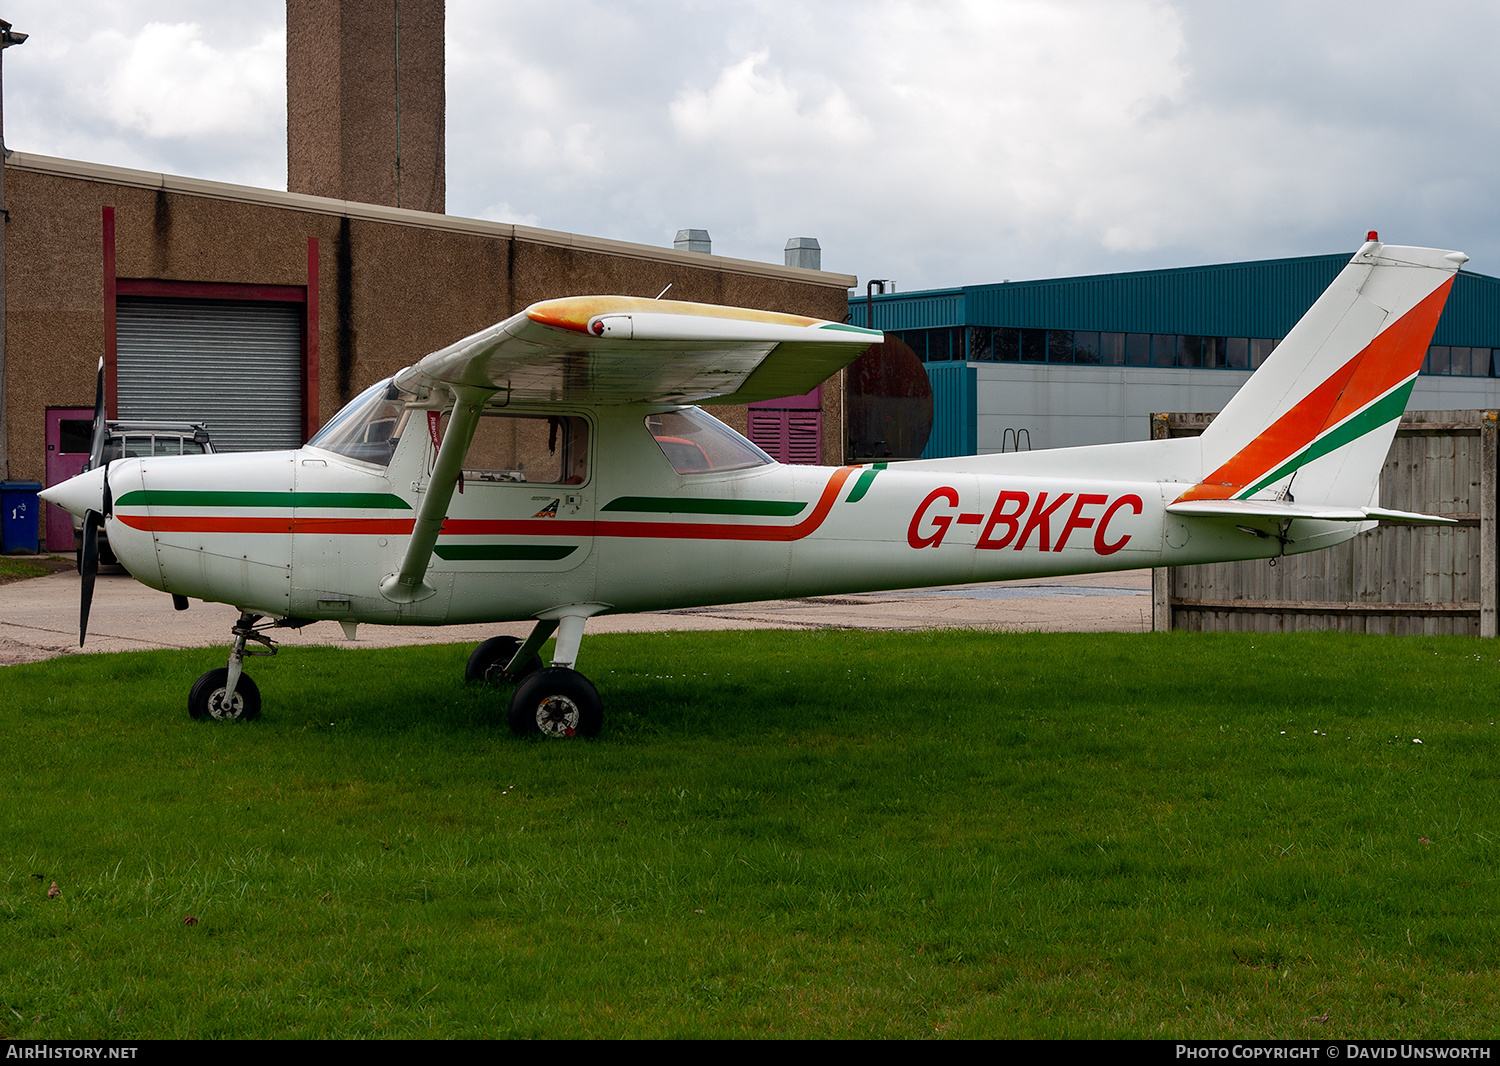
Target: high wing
[(625, 349), (613, 350)]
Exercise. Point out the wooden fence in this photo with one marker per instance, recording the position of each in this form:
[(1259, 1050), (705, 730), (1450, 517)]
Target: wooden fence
[(1398, 579)]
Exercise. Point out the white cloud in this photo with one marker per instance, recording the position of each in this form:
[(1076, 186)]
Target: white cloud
[(185, 88), (504, 212), (936, 141), (763, 120), (166, 81)]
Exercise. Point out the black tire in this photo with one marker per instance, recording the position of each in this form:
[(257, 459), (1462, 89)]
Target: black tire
[(206, 698), (488, 661), (556, 702)]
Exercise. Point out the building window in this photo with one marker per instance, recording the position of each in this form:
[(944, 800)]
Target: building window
[(1009, 344), (979, 344)]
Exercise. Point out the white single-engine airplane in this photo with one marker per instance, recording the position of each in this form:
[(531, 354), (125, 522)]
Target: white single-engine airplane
[(551, 468)]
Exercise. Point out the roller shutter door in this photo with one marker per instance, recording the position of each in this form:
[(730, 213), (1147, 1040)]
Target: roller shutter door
[(233, 364)]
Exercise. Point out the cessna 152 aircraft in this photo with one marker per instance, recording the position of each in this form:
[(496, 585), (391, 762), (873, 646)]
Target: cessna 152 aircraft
[(552, 467)]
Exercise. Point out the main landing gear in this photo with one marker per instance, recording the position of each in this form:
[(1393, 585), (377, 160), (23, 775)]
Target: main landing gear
[(553, 701), (227, 694)]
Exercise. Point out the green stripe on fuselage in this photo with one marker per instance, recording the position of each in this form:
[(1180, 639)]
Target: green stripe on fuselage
[(1389, 406), (366, 501), (862, 486), (674, 505), (538, 552)]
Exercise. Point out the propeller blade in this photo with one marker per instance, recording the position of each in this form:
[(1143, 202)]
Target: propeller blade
[(96, 448), (109, 496), (88, 566)]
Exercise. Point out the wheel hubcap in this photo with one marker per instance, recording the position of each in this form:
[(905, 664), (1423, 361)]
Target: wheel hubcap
[(218, 708), (557, 716)]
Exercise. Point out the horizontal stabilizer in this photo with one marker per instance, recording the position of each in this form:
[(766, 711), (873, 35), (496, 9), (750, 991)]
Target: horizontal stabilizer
[(1280, 509)]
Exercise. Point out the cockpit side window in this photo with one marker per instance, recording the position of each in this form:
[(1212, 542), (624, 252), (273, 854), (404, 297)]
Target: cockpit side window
[(698, 443), (534, 449)]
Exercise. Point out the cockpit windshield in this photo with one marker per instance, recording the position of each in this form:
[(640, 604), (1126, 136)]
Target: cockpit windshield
[(370, 426)]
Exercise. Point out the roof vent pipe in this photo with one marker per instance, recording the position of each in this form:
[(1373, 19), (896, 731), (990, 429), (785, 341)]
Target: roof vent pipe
[(870, 298), (804, 252), (693, 240)]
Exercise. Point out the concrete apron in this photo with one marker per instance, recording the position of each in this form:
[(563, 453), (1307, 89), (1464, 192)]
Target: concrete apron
[(39, 616)]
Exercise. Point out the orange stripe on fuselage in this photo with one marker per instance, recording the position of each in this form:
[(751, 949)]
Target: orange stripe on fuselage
[(1394, 355)]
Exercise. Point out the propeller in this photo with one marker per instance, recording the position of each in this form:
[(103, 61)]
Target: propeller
[(93, 521)]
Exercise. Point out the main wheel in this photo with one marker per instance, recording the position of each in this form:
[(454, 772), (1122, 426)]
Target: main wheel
[(556, 702), (488, 661), (206, 700)]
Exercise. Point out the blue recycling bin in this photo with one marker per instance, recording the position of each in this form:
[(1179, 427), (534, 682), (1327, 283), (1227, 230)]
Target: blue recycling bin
[(19, 513)]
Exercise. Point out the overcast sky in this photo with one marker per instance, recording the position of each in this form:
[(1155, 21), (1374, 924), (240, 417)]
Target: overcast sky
[(932, 143)]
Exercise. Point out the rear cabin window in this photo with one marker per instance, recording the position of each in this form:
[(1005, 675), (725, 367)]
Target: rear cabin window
[(698, 443)]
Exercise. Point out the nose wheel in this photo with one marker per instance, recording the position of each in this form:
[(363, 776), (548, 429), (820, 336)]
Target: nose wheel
[(212, 698)]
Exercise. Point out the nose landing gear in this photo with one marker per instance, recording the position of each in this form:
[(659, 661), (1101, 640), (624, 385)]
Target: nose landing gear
[(227, 694)]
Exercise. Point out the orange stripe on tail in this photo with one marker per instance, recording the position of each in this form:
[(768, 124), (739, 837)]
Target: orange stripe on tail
[(1394, 355)]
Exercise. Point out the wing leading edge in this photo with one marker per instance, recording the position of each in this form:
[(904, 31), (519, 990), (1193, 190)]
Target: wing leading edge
[(623, 349)]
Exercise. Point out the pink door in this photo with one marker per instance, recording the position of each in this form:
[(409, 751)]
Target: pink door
[(70, 430)]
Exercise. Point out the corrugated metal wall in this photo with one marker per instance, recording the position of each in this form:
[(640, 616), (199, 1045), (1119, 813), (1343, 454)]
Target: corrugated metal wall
[(1257, 299), (925, 310), (234, 365), (955, 421), (1396, 579)]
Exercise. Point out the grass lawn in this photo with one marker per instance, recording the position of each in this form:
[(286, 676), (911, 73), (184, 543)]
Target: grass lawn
[(782, 834), (19, 567)]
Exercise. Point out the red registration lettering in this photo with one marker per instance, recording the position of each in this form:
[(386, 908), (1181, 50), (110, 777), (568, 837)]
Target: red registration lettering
[(1040, 521), (940, 522), (1011, 520), (1075, 521), (1104, 547)]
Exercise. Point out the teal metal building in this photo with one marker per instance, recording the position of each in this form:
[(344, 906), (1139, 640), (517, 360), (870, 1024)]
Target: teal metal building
[(1086, 360)]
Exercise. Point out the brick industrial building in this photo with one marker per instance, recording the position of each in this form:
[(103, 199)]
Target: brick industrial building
[(262, 311)]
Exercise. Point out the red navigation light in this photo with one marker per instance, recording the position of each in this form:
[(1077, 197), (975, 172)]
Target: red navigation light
[(1372, 236)]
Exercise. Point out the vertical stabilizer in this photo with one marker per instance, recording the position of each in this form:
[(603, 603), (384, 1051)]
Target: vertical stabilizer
[(1315, 422)]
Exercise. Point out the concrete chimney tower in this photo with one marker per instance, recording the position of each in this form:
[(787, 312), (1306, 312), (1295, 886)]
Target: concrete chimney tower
[(365, 102)]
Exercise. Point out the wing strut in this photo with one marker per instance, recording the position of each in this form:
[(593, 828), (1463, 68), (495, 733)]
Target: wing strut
[(406, 585)]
